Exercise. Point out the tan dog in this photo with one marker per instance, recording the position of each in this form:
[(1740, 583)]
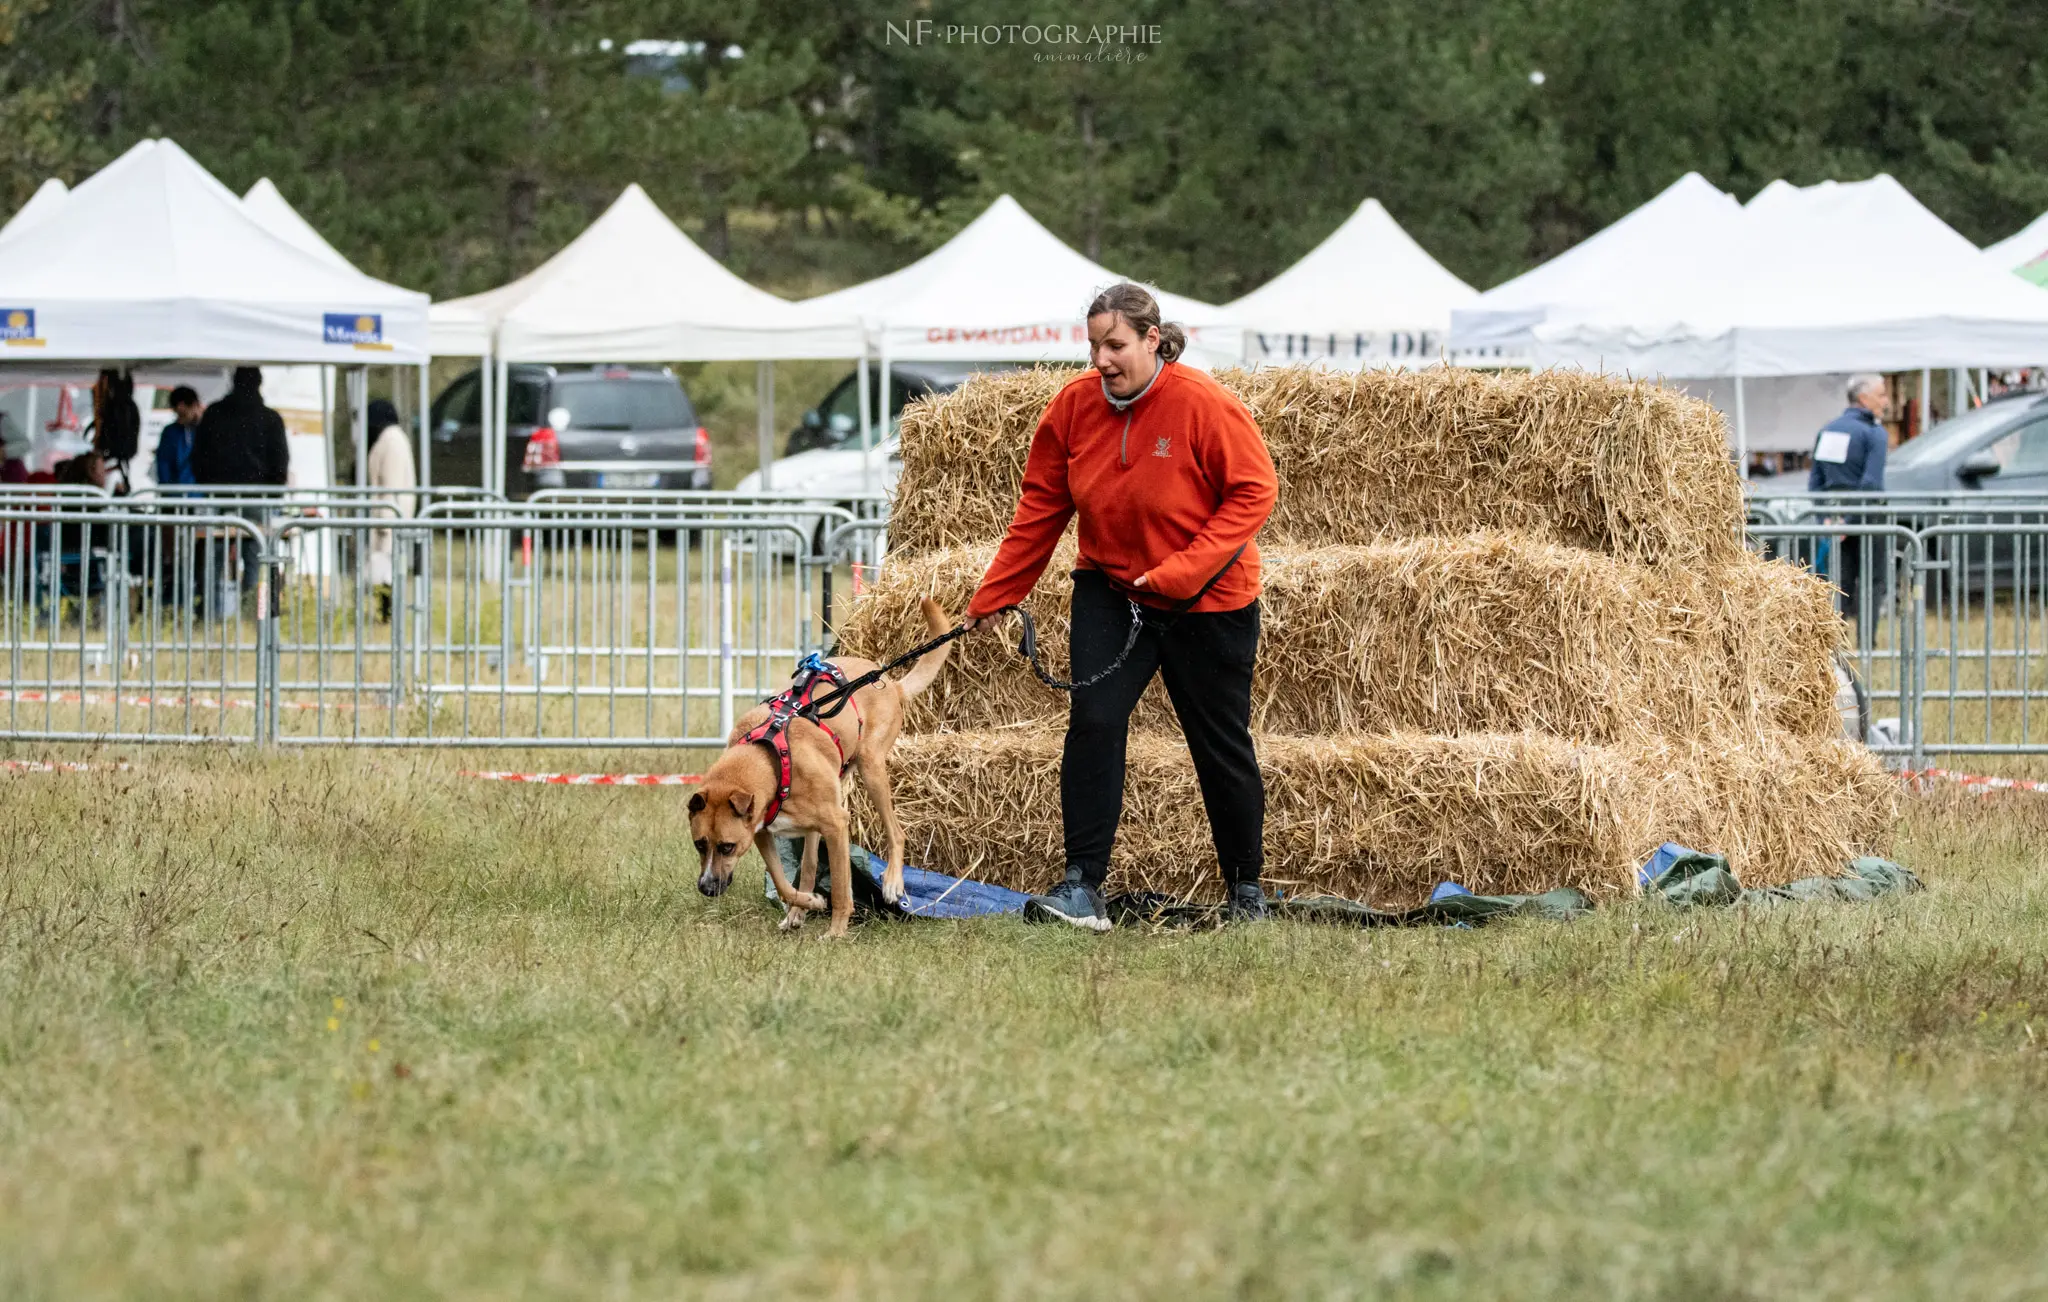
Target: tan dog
[(728, 813)]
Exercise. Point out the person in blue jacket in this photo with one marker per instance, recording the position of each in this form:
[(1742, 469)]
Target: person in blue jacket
[(174, 444), (1848, 457)]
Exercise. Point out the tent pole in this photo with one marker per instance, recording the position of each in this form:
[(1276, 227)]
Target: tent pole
[(426, 437), (884, 408), (327, 416), (486, 370), (764, 420), (867, 438), (501, 410), (1741, 433), (1926, 399), (359, 421)]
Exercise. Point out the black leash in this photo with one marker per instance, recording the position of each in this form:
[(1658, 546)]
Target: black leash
[(830, 704), (1027, 645)]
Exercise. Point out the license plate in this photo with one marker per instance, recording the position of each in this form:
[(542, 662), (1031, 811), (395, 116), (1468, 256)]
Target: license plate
[(628, 479)]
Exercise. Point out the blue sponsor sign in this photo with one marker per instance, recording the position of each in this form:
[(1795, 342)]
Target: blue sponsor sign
[(362, 329), (17, 324)]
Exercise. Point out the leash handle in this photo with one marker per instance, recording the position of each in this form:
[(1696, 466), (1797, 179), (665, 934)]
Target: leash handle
[(1027, 647)]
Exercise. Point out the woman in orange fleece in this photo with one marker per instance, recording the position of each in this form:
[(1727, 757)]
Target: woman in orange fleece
[(1170, 479)]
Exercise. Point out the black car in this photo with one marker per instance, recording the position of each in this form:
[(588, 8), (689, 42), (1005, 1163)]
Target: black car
[(835, 422), (627, 427)]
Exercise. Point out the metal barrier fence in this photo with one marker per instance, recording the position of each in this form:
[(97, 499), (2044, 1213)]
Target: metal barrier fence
[(594, 618)]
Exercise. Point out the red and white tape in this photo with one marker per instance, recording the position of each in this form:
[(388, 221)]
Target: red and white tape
[(1974, 781), (176, 702), (593, 779), (57, 766)]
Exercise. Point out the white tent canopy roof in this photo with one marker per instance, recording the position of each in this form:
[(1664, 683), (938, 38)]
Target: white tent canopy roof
[(633, 287), (1835, 277), (269, 208), (155, 259), (1368, 295), (1670, 227), (2009, 254), (1006, 289), (49, 197)]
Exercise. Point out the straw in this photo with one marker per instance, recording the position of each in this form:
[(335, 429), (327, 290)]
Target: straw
[(1489, 632), (1384, 818), (1622, 467)]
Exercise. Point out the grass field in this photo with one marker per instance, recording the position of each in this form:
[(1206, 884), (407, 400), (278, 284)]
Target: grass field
[(350, 1025)]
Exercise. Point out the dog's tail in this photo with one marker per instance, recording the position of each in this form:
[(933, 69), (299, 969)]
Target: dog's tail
[(926, 669)]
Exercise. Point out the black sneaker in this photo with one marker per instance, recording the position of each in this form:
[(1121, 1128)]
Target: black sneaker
[(1247, 903), (1073, 902)]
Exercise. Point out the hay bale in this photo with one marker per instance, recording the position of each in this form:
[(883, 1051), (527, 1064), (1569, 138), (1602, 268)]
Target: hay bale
[(1488, 632), (1626, 468), (1384, 818)]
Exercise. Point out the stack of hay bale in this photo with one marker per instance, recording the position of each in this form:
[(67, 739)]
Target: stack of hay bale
[(1512, 638)]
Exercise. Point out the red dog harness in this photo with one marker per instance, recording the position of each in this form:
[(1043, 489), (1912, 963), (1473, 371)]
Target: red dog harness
[(785, 709)]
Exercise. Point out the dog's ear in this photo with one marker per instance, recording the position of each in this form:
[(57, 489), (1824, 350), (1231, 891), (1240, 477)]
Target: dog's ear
[(743, 803), (697, 802)]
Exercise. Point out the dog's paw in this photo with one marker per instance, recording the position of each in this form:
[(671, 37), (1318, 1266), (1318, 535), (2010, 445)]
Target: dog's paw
[(892, 891), (791, 920), (818, 904)]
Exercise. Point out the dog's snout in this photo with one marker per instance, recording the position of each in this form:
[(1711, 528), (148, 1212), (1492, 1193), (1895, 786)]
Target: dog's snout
[(710, 886)]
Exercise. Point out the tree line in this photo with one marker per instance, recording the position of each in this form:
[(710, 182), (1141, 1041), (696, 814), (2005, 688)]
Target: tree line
[(450, 145)]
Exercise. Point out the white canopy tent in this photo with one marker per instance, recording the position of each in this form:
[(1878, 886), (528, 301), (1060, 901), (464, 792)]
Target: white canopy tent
[(269, 207), (633, 287), (2016, 250), (153, 263), (49, 197), (1833, 278), (1368, 295), (1669, 228), (155, 259), (1005, 289)]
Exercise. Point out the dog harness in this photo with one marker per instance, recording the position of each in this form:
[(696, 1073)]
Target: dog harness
[(799, 701)]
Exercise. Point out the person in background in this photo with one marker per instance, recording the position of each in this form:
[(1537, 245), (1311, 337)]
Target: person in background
[(239, 440), (1848, 457), (389, 466), (174, 446), (14, 469)]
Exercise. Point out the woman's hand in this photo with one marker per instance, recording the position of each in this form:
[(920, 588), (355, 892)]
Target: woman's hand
[(982, 623)]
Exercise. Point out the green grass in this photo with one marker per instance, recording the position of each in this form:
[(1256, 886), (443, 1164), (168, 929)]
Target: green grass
[(343, 1024)]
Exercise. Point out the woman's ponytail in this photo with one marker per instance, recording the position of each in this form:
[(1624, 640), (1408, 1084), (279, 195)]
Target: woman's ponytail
[(1135, 304)]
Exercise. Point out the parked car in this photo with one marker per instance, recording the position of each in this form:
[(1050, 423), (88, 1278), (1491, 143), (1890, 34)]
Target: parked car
[(626, 427), (835, 422), (825, 458), (2001, 446), (1964, 471)]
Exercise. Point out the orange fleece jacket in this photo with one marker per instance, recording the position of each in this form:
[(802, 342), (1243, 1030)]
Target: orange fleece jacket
[(1166, 489)]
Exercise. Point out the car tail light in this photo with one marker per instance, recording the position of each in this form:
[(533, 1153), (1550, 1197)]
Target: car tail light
[(703, 446), (543, 449)]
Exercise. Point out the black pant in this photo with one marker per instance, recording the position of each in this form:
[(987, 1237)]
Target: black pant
[(1207, 661)]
